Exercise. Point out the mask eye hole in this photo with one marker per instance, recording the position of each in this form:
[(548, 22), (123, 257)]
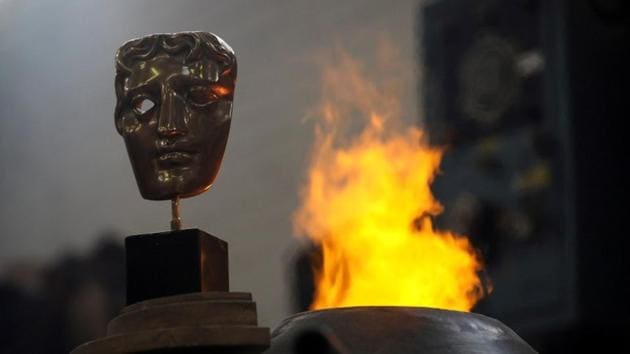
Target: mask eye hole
[(221, 91), (142, 105), (201, 95)]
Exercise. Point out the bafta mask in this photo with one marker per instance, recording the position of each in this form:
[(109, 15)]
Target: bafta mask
[(174, 97)]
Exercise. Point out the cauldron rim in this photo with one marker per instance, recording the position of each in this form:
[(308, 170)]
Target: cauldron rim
[(384, 308)]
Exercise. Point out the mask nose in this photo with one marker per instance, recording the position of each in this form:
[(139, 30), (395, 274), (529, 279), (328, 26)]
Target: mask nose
[(172, 121)]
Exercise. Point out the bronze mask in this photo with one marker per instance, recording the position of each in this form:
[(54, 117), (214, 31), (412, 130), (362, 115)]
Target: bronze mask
[(174, 107)]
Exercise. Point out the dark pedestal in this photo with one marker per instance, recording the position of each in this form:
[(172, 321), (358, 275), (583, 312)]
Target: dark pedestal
[(178, 301), (212, 322), (175, 262)]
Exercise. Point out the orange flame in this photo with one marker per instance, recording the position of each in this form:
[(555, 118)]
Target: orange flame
[(367, 202)]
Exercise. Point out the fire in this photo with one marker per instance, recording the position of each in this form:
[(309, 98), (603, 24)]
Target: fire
[(367, 202)]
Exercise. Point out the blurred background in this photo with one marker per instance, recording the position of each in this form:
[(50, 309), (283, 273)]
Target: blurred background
[(526, 95)]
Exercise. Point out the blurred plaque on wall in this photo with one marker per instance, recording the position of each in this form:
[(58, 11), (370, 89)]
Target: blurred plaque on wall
[(491, 97)]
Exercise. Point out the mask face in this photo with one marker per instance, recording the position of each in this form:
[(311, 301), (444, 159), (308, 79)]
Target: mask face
[(174, 108)]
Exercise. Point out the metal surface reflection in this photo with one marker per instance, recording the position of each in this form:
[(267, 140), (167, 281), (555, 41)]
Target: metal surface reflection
[(174, 97)]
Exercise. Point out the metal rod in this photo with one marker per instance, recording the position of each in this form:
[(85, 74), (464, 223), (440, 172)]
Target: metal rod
[(176, 220)]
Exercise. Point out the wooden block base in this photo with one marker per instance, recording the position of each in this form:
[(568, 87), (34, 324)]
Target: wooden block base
[(175, 262)]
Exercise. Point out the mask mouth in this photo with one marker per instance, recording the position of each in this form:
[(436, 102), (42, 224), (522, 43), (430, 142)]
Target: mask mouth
[(175, 158)]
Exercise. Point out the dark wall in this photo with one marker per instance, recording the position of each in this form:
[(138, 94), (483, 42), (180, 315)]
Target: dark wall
[(598, 60), (563, 283)]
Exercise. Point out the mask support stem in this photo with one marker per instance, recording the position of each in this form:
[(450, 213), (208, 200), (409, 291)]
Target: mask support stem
[(176, 220)]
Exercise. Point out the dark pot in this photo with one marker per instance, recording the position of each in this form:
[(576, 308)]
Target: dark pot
[(394, 330)]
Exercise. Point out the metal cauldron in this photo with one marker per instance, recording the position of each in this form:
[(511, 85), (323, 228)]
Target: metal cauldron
[(394, 330)]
